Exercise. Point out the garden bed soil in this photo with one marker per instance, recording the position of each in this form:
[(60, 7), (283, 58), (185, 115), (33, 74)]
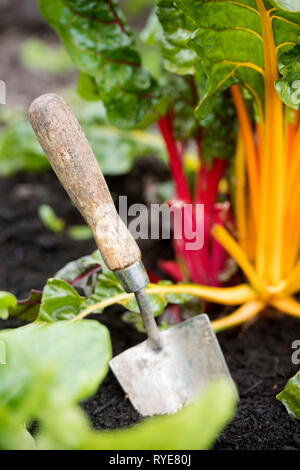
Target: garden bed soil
[(259, 356)]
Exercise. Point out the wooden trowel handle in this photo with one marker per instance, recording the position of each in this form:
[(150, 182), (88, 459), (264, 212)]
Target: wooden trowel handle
[(73, 161)]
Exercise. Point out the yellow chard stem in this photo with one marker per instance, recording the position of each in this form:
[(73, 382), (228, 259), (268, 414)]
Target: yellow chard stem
[(102, 305), (288, 305), (232, 247), (239, 316), (273, 168), (221, 295), (226, 295)]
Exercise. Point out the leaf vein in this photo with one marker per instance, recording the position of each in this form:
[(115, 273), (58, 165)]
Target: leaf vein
[(238, 28), (237, 4), (92, 18), (243, 64), (286, 43), (109, 59), (280, 18)]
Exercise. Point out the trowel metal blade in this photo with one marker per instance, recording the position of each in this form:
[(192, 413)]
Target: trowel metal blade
[(160, 382)]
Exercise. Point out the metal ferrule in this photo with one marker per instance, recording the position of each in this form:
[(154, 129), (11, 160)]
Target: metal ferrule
[(134, 277)]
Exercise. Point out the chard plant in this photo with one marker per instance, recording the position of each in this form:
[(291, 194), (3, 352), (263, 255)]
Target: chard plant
[(51, 367), (103, 48), (63, 360), (250, 47)]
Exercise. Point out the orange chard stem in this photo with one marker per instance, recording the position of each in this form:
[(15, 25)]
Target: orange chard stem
[(292, 214), (292, 241), (249, 145), (294, 164), (240, 183), (292, 282), (259, 144)]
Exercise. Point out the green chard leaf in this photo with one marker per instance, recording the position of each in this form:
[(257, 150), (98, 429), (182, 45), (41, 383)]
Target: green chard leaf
[(290, 5), (82, 272), (49, 368), (60, 301), (87, 87), (81, 266), (28, 309), (74, 356), (288, 87), (102, 47), (7, 302), (290, 396), (184, 99), (52, 367), (107, 286), (179, 57), (195, 427), (148, 46), (228, 41), (218, 130)]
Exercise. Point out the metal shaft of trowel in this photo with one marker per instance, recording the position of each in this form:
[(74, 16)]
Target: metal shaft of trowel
[(134, 279)]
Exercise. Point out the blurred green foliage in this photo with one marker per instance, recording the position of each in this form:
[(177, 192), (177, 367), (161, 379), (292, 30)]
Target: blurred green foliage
[(115, 150), (37, 54), (80, 232), (19, 148), (50, 220)]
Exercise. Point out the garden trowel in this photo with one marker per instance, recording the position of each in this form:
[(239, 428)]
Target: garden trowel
[(170, 368)]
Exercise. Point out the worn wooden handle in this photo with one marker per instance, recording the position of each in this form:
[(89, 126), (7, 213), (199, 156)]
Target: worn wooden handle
[(73, 161)]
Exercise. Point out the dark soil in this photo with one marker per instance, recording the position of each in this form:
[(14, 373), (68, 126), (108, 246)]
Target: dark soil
[(24, 85), (29, 253), (21, 14), (259, 358)]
